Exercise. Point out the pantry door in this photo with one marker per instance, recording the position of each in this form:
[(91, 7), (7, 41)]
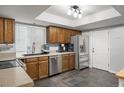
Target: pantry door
[(100, 50)]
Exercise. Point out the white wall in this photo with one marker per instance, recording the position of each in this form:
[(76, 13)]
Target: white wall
[(116, 49), (116, 44)]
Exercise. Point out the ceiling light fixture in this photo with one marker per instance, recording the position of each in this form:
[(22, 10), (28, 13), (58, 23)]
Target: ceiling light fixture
[(75, 11)]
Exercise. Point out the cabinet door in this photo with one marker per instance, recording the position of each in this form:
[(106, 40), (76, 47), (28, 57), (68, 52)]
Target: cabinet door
[(60, 33), (43, 69), (9, 30), (73, 33), (67, 36), (71, 61), (78, 33), (65, 62), (32, 70), (1, 31), (52, 35)]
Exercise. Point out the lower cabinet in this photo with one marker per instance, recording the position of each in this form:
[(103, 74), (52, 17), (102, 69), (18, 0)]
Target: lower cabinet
[(43, 68), (65, 62), (37, 68), (71, 61), (32, 70), (68, 62)]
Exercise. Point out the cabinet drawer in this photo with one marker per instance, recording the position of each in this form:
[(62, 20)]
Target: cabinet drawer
[(43, 58), (31, 60), (72, 54), (65, 55)]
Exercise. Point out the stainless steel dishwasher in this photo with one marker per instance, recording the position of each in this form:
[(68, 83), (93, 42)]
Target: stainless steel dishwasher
[(55, 65)]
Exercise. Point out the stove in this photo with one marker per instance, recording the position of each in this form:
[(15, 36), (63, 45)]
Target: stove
[(9, 64)]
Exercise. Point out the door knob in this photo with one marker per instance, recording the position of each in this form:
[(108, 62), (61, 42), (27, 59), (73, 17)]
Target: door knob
[(93, 50)]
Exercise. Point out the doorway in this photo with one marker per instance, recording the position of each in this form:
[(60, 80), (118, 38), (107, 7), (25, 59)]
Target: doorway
[(100, 49)]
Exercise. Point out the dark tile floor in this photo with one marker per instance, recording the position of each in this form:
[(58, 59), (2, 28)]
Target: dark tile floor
[(85, 78)]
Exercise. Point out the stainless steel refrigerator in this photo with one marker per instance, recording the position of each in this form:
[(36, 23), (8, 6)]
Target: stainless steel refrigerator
[(81, 48)]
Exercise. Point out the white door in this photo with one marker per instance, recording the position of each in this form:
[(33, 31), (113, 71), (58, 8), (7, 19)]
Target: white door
[(100, 52)]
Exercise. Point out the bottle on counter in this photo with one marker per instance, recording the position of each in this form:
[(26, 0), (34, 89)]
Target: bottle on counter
[(33, 47)]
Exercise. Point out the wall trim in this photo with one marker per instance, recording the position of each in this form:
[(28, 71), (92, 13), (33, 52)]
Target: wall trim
[(30, 24), (102, 28)]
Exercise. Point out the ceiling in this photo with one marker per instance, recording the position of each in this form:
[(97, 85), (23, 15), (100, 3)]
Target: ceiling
[(91, 15), (61, 10), (23, 13), (57, 14)]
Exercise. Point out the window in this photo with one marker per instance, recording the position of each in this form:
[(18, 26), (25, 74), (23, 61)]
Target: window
[(26, 35)]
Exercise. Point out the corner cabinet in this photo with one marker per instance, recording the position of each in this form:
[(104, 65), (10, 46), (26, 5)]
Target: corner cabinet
[(32, 67), (32, 70), (60, 35), (7, 31), (37, 68)]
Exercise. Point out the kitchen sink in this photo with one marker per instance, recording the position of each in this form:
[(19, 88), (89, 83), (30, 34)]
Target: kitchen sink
[(33, 54)]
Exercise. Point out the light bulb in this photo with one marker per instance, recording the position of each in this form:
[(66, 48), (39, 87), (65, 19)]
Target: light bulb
[(75, 14), (80, 15), (69, 12)]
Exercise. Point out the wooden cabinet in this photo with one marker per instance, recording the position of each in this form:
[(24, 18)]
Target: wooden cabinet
[(67, 36), (65, 62), (31, 60), (71, 61), (78, 33), (43, 67), (37, 68), (32, 70), (74, 32), (1, 31), (52, 35), (68, 62), (60, 35), (7, 30)]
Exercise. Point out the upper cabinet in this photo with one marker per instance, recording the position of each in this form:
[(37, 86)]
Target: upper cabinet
[(7, 31), (52, 35), (1, 31), (67, 36), (60, 35)]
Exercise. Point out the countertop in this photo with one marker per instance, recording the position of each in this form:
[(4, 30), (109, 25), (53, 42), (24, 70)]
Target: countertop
[(20, 55), (15, 77), (120, 74)]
